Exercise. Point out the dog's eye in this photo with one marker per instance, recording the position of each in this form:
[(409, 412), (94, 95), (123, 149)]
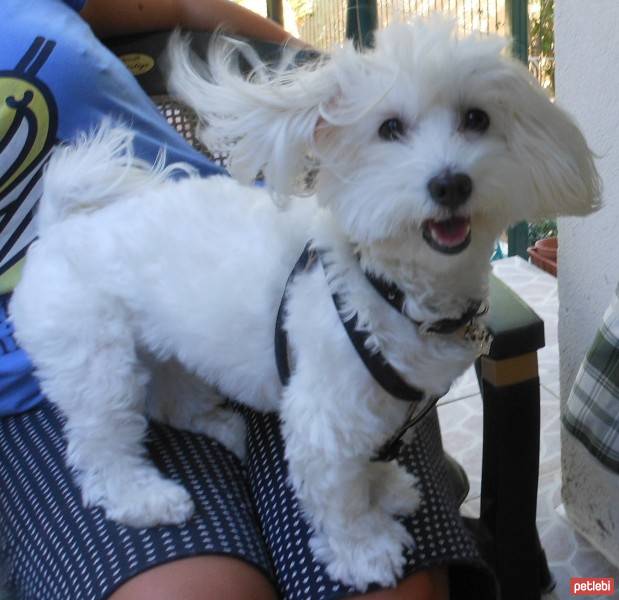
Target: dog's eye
[(475, 119), (391, 129)]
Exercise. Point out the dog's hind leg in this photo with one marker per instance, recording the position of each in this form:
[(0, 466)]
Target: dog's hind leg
[(185, 401), (82, 344)]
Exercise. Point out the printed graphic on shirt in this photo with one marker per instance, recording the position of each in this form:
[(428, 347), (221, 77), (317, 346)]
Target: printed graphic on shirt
[(28, 127), (138, 63)]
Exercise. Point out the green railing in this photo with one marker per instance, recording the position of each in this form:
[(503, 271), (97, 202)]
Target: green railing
[(518, 13), (362, 21)]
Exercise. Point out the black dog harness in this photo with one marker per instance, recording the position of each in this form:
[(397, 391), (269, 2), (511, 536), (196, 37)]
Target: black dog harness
[(382, 372)]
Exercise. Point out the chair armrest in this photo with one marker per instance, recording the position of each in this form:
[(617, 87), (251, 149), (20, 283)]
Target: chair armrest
[(518, 333), (516, 328)]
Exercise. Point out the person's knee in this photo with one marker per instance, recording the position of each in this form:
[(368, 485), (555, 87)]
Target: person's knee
[(425, 585), (199, 578)]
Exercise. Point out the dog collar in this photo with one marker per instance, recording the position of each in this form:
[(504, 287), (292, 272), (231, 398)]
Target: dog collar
[(394, 296), (382, 372)]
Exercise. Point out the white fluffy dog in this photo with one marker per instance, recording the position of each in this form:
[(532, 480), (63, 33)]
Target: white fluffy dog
[(428, 146)]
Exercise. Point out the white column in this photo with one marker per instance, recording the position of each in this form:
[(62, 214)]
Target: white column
[(587, 85)]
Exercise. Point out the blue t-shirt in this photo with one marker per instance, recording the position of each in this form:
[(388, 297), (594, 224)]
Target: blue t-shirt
[(56, 80)]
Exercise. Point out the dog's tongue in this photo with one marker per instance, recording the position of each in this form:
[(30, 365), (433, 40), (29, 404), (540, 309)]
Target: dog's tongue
[(450, 232)]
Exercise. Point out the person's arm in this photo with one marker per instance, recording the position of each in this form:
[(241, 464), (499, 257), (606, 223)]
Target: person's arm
[(118, 17)]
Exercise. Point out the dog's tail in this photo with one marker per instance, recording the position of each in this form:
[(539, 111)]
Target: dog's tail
[(99, 168)]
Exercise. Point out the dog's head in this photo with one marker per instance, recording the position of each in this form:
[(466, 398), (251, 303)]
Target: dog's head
[(430, 140)]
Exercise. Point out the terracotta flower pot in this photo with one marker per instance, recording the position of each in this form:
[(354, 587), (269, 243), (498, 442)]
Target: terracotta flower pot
[(548, 247), (544, 254)]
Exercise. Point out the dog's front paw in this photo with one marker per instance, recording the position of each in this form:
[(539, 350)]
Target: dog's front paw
[(393, 488), (373, 553), (163, 502), (145, 500)]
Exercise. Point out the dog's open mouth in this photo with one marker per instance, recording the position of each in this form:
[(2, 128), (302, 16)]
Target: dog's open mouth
[(450, 236)]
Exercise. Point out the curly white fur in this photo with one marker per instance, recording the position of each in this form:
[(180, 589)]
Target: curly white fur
[(133, 268)]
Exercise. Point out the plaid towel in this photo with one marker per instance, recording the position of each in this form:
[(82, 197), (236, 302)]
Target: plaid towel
[(592, 410)]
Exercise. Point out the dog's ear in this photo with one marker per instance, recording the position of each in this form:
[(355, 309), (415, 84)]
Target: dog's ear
[(556, 156), (264, 119)]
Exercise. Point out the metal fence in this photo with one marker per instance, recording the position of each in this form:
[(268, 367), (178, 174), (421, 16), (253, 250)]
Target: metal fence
[(471, 15), (324, 21)]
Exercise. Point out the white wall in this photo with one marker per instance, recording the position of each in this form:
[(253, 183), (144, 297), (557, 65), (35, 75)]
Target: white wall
[(587, 85), (587, 55)]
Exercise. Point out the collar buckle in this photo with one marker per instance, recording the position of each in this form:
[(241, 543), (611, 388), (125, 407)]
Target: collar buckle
[(478, 334)]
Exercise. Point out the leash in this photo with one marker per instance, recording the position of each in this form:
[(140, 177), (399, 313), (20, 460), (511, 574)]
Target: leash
[(382, 372)]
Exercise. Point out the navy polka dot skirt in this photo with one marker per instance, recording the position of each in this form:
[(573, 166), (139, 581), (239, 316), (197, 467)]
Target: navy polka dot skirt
[(54, 549)]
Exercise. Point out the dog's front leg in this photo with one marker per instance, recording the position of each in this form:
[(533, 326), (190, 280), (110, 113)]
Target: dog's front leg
[(356, 537)]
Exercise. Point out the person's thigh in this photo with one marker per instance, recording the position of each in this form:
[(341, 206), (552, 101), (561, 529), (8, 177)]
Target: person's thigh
[(214, 577), (432, 584), (198, 578), (56, 549)]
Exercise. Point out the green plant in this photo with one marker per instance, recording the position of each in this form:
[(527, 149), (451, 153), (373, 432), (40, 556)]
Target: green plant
[(542, 43), (542, 29), (541, 230)]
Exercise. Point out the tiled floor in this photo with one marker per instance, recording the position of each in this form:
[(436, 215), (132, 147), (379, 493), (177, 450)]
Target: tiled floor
[(569, 554)]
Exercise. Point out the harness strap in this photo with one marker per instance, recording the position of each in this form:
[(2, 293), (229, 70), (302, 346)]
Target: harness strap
[(306, 262), (384, 374)]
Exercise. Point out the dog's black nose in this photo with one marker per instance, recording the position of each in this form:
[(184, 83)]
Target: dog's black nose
[(450, 189)]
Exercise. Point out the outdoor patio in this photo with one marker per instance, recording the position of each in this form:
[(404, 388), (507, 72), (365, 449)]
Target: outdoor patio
[(569, 554)]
